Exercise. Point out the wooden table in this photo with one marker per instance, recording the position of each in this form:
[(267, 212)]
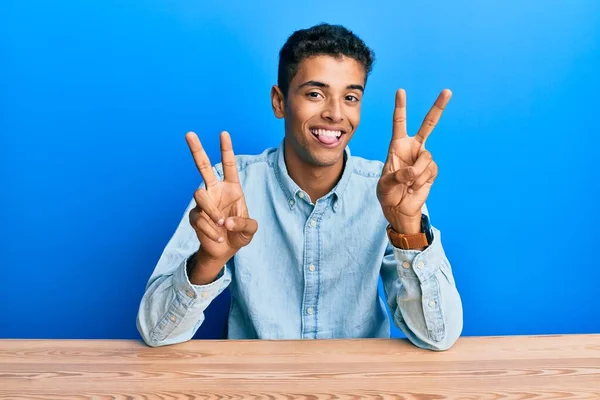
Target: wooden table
[(517, 367)]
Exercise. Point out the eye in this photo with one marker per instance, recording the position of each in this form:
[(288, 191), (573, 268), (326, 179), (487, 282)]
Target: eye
[(352, 98), (314, 95)]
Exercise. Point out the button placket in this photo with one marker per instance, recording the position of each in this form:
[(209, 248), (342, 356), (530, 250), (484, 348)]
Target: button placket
[(311, 270)]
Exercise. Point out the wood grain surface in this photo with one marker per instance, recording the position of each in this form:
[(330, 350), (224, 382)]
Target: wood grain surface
[(515, 367)]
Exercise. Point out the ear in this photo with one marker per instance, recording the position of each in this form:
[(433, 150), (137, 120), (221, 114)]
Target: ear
[(277, 102)]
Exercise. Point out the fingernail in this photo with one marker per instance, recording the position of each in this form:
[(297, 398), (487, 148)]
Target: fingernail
[(220, 239), (229, 224), (410, 190), (221, 221)]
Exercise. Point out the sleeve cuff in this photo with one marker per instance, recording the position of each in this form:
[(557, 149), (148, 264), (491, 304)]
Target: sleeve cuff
[(189, 293), (420, 264)]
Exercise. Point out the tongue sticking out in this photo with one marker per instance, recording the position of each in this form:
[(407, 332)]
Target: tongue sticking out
[(327, 139)]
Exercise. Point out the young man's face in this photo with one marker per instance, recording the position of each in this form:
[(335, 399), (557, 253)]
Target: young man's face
[(322, 109)]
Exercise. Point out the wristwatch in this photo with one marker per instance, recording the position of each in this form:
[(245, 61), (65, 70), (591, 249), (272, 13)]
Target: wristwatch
[(410, 242)]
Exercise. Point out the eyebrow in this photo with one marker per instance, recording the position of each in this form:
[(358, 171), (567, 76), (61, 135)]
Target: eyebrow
[(324, 85)]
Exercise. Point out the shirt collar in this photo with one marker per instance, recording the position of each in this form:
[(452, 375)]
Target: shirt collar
[(291, 189)]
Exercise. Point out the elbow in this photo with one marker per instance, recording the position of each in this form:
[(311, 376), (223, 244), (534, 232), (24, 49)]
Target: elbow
[(154, 336), (451, 333), (440, 340), (444, 341), (445, 344), (153, 343), (150, 339), (444, 337), (453, 326), (145, 332)]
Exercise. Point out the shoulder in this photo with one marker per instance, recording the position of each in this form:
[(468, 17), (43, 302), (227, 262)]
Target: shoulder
[(366, 169), (364, 178), (248, 163)]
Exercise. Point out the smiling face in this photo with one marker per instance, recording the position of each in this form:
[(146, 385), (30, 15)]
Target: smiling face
[(322, 108)]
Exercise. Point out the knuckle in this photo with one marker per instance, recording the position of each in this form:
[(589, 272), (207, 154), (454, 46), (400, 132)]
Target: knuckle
[(204, 164), (430, 122), (211, 234), (199, 194), (197, 223)]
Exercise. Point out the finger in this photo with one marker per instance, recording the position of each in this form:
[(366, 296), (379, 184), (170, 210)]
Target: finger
[(428, 176), (206, 204), (230, 171), (399, 125), (247, 226), (390, 181), (201, 159), (423, 161), (204, 226), (433, 116)]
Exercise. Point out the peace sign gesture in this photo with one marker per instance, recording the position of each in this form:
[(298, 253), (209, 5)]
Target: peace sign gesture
[(409, 170), (220, 217)]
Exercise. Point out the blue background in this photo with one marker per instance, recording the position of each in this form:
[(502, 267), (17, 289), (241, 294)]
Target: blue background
[(95, 99)]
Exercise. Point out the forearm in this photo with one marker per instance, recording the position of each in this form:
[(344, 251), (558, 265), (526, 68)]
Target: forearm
[(172, 308), (203, 269), (426, 305)]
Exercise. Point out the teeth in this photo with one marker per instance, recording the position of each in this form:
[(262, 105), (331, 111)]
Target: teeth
[(326, 132)]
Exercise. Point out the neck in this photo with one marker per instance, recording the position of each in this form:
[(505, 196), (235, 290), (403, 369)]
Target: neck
[(315, 180)]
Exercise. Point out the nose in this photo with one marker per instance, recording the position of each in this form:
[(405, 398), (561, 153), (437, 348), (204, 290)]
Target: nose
[(333, 111)]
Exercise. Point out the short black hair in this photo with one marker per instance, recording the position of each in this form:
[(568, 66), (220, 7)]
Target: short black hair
[(322, 39)]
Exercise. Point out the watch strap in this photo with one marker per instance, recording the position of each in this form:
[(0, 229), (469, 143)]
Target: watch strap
[(407, 242)]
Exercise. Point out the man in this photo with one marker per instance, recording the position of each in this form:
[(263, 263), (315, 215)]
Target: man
[(330, 223)]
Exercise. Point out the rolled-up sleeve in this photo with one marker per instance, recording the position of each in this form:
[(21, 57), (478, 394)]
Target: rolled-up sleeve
[(172, 308), (422, 295)]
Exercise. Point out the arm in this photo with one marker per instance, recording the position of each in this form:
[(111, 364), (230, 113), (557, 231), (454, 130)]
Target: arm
[(418, 283), (422, 296), (195, 266), (172, 308)]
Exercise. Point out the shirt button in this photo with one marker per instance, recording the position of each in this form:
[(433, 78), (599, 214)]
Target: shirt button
[(204, 294), (313, 223), (301, 195), (311, 268), (291, 202), (172, 318), (420, 264), (406, 264), (431, 303), (189, 293), (309, 310)]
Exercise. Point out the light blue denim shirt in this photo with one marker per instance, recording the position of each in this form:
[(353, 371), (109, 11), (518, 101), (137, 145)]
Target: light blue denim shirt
[(311, 270)]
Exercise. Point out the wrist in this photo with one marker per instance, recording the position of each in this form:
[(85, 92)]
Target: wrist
[(204, 269), (407, 225)]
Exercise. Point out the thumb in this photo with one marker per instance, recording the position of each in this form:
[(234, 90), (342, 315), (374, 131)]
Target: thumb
[(389, 181), (245, 226)]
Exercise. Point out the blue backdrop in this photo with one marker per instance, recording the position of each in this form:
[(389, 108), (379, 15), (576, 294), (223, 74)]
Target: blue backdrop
[(95, 99)]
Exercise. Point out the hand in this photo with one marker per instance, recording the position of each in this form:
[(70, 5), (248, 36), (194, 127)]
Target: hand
[(409, 170), (220, 217)]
